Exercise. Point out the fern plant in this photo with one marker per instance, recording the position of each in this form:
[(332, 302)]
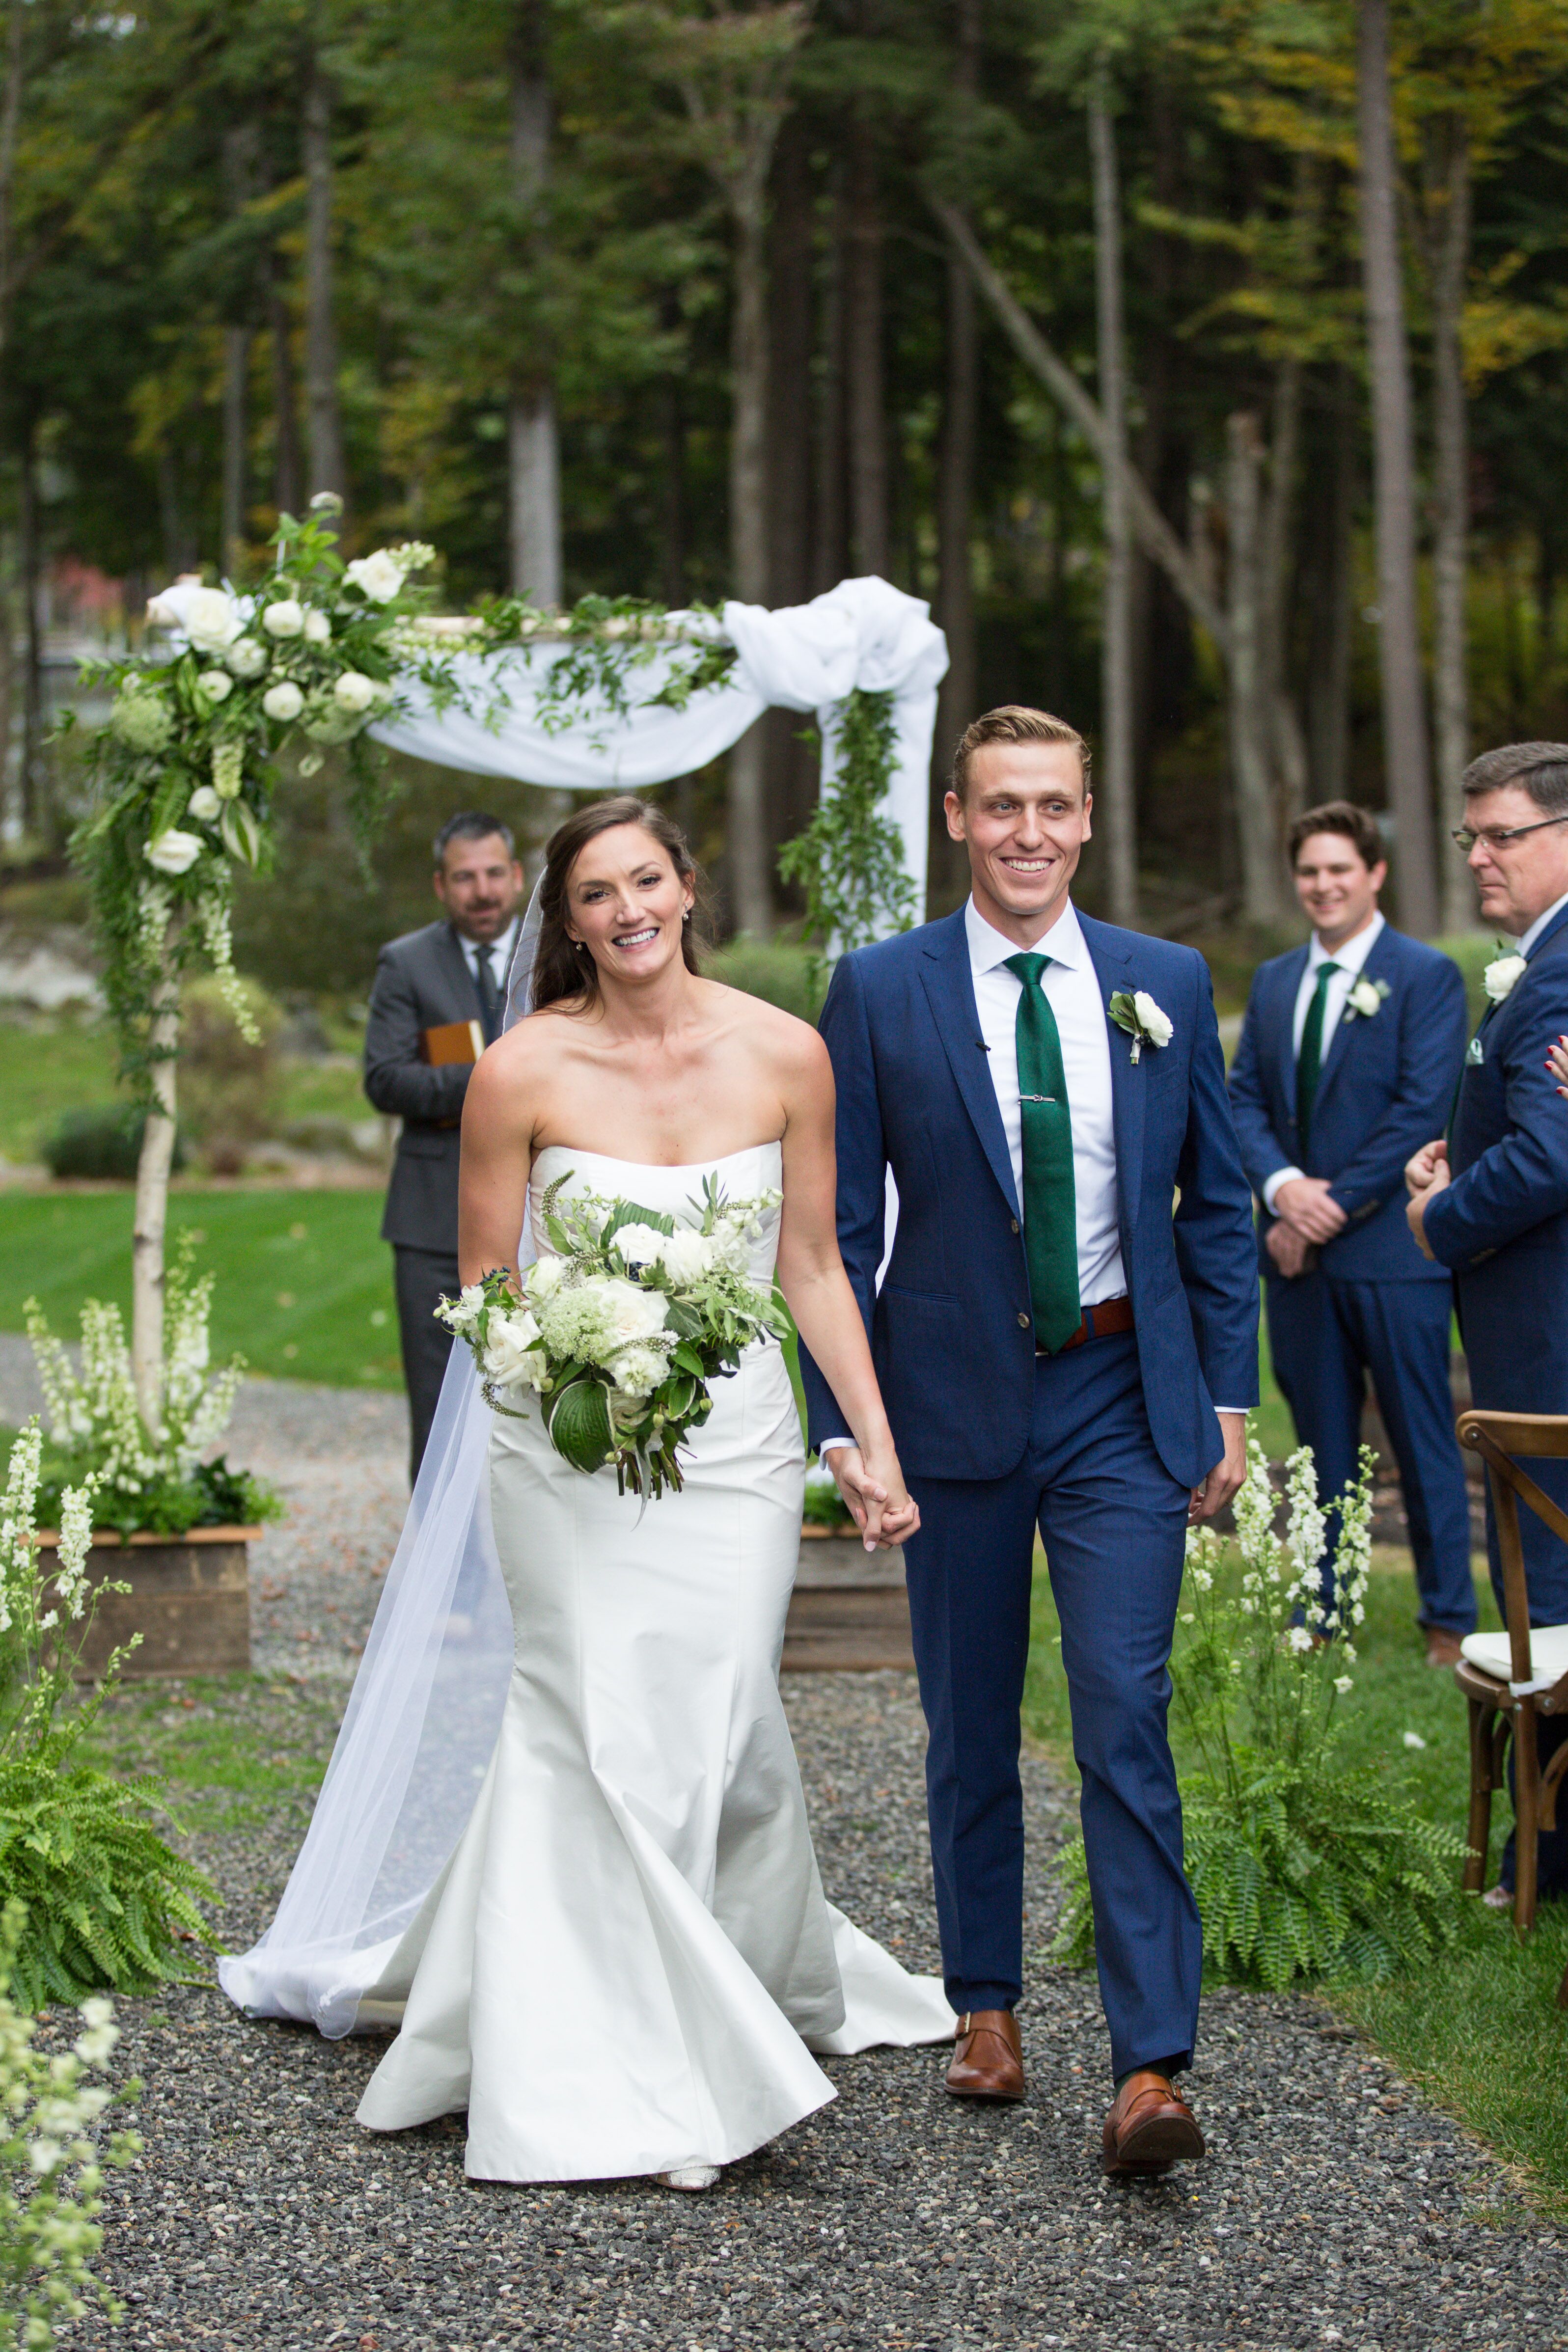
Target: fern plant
[(1303, 1864), (106, 1901)]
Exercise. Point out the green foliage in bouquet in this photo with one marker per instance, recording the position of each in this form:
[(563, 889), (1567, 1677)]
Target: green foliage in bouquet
[(106, 1901), (52, 2163), (156, 1481), (1303, 1864), (621, 1331)]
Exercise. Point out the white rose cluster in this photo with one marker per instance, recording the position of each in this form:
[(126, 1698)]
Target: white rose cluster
[(512, 1356)]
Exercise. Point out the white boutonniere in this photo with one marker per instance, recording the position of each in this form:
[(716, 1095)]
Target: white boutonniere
[(1365, 998), (1135, 1010), (1502, 976)]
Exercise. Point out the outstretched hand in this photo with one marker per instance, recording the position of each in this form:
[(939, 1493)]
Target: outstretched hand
[(881, 1507)]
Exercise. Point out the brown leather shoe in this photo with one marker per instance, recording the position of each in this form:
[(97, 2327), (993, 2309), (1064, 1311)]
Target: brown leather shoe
[(1442, 1646), (988, 2059), (1150, 2127)]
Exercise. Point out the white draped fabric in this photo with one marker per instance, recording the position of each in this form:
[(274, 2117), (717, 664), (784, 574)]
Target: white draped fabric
[(863, 634)]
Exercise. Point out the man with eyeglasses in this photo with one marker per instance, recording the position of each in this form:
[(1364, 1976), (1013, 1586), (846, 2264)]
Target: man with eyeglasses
[(1491, 1200)]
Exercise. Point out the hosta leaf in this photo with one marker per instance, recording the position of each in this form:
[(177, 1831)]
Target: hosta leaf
[(579, 1426)]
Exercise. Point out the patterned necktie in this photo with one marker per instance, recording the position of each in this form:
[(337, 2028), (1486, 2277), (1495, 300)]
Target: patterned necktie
[(1050, 1219), (488, 994), (1309, 1061)]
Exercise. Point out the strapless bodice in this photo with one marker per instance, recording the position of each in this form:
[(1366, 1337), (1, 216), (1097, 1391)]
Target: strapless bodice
[(669, 1192)]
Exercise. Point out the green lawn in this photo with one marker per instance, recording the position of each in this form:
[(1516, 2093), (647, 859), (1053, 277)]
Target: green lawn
[(304, 1287)]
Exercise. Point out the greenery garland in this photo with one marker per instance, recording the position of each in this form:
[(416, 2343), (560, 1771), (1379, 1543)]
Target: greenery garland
[(849, 859)]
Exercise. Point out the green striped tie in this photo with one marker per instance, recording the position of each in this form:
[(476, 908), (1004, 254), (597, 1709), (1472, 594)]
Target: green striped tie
[(1309, 1061), (1050, 1213)]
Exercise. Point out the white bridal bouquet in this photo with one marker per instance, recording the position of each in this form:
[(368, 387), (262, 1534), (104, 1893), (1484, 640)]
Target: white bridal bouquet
[(621, 1330)]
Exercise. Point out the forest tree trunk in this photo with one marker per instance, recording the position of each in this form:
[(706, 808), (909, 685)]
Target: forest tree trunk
[(1450, 695), (1115, 780), (955, 464), (1251, 769), (287, 471), (533, 456), (830, 529), (750, 896), (1332, 587), (1275, 565), (1393, 490), (323, 415), (863, 355), (235, 374)]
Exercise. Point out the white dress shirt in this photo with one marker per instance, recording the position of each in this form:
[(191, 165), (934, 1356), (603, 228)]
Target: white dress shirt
[(1526, 939), (1351, 959), (500, 951), (1071, 988)]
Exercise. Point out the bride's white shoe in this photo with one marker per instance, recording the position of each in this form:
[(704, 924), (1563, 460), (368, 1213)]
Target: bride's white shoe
[(688, 2176)]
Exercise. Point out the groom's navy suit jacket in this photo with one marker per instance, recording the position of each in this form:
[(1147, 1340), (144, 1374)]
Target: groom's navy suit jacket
[(1385, 1088), (952, 1332)]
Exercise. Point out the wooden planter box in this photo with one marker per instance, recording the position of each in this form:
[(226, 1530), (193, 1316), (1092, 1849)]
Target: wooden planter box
[(849, 1609), (189, 1600)]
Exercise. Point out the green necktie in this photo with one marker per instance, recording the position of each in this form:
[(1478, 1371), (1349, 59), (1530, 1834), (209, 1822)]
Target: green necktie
[(1050, 1217), (1309, 1061)]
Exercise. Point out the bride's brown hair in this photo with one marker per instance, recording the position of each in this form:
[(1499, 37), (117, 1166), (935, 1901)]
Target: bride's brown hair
[(563, 967)]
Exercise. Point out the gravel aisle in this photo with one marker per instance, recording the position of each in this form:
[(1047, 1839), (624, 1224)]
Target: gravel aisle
[(1335, 2208)]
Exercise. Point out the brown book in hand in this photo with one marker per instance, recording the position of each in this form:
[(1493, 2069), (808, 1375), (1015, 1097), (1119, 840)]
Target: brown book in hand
[(451, 1041)]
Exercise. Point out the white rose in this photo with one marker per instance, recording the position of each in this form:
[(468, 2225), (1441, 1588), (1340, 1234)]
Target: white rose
[(216, 685), (284, 619), (283, 700), (640, 1244), (212, 619), (246, 658), (204, 804), (1503, 974), (318, 628), (510, 1357), (354, 691), (687, 1255), (639, 1371), (1364, 999), (1156, 1026), (377, 576), (174, 852), (544, 1276), (630, 1312)]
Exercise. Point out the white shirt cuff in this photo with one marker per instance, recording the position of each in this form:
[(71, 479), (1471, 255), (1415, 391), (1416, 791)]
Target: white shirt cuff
[(1280, 1176), (828, 1444), (1242, 1409)]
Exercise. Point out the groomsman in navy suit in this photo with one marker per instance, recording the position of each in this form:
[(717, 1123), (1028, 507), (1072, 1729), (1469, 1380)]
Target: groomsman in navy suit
[(1352, 1045), (1067, 1341), (1492, 1200)]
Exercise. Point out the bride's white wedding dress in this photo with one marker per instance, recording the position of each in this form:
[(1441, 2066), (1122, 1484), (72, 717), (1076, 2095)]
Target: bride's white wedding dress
[(625, 1960)]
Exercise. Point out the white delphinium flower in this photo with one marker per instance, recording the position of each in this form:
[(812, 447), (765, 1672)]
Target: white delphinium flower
[(246, 658), (1305, 1525), (639, 1245), (1343, 1683), (76, 1542), (1301, 1639), (155, 906), (96, 2045), (378, 577), (286, 618), (354, 692), (412, 556), (217, 938), (215, 684), (1254, 1510), (318, 627), (639, 1370), (228, 769), (211, 618), (283, 702), (16, 1513), (173, 852), (685, 1255), (204, 804)]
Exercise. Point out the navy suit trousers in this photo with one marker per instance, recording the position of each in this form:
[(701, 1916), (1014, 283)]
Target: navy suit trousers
[(1114, 1522), (1325, 1336)]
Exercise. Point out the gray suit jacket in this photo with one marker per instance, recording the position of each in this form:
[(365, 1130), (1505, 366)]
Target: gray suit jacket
[(421, 981)]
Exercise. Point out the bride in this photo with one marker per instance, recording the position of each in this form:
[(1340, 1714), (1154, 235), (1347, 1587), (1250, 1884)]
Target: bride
[(627, 1959)]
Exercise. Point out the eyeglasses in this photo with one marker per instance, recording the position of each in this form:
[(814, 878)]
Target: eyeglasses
[(1495, 837)]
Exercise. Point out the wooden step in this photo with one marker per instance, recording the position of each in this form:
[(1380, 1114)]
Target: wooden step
[(849, 1611)]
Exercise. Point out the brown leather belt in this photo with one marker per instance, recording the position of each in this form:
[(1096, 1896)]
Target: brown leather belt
[(1098, 1323)]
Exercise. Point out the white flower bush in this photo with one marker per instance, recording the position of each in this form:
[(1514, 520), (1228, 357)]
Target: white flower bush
[(621, 1328)]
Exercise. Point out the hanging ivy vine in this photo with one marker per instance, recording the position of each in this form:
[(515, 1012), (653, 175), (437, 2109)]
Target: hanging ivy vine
[(850, 860)]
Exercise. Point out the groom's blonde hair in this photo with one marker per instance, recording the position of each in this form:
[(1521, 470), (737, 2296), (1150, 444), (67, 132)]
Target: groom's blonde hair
[(1013, 723)]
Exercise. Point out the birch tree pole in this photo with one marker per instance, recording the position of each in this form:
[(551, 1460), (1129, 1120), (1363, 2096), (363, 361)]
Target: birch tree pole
[(323, 415), (1448, 251), (1115, 793), (1404, 739), (533, 443)]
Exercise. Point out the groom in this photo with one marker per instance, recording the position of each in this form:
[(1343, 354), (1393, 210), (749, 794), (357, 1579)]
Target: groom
[(1054, 1348)]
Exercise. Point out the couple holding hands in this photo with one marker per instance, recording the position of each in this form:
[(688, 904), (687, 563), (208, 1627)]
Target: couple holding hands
[(626, 1962)]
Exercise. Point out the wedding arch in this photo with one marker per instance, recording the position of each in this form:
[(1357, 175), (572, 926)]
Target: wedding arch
[(615, 694)]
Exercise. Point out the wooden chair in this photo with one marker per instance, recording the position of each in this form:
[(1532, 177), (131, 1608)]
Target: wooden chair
[(1512, 1678)]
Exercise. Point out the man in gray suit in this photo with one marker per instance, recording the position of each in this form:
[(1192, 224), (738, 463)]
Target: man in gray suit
[(452, 971)]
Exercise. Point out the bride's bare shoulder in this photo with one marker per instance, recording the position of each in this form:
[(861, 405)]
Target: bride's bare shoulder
[(524, 1056), (791, 1044)]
